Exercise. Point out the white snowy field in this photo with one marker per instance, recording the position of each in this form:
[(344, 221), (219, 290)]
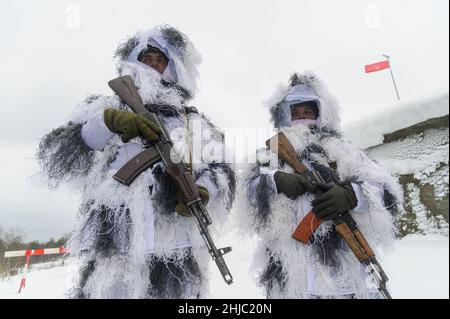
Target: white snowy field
[(418, 268)]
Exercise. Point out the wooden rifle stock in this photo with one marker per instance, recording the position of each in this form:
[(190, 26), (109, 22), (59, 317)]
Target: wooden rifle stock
[(279, 144)]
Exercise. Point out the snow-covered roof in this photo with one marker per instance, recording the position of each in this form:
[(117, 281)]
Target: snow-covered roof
[(370, 131)]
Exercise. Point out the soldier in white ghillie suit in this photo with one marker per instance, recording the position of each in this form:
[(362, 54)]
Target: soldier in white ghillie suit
[(139, 241), (277, 200)]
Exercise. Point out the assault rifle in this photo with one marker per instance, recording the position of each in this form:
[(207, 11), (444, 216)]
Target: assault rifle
[(177, 172), (345, 224)]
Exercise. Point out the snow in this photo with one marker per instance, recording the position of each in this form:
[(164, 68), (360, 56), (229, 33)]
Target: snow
[(371, 130), (40, 283), (419, 154), (418, 268)]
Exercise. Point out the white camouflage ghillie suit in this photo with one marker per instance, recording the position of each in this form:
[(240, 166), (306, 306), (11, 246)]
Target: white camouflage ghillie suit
[(130, 241), (326, 268)]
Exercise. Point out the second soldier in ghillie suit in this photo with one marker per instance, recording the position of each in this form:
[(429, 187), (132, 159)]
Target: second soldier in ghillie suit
[(277, 200), (137, 241)]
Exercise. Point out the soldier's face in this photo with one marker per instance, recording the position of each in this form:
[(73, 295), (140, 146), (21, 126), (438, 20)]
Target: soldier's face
[(302, 112), (156, 61)]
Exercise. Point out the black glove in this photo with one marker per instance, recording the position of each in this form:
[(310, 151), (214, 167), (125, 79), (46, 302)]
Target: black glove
[(130, 125), (292, 185), (336, 200)]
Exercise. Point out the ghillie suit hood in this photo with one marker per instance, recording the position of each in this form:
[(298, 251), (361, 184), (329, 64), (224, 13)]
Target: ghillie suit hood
[(302, 88), (183, 57), (326, 267)]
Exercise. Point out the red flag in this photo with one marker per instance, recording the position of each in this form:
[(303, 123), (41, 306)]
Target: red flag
[(377, 66)]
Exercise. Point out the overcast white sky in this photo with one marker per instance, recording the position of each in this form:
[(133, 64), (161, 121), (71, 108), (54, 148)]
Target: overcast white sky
[(53, 53)]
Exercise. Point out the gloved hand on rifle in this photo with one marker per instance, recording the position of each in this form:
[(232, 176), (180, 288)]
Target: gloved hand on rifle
[(182, 208), (130, 125), (336, 200), (292, 185)]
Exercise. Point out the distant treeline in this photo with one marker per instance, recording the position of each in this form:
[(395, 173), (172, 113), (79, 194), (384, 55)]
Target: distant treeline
[(13, 239)]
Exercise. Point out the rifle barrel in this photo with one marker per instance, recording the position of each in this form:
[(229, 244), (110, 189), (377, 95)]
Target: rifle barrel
[(215, 253), (377, 274)]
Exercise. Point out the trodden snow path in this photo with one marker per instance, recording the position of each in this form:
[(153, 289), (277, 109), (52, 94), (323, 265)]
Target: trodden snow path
[(418, 268)]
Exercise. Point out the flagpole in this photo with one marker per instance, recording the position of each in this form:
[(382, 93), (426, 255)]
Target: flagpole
[(392, 75)]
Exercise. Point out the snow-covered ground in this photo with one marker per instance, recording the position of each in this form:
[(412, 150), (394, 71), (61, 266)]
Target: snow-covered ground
[(418, 268)]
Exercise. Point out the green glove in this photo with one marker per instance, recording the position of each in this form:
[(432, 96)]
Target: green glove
[(182, 208), (336, 200), (130, 125), (292, 185)]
